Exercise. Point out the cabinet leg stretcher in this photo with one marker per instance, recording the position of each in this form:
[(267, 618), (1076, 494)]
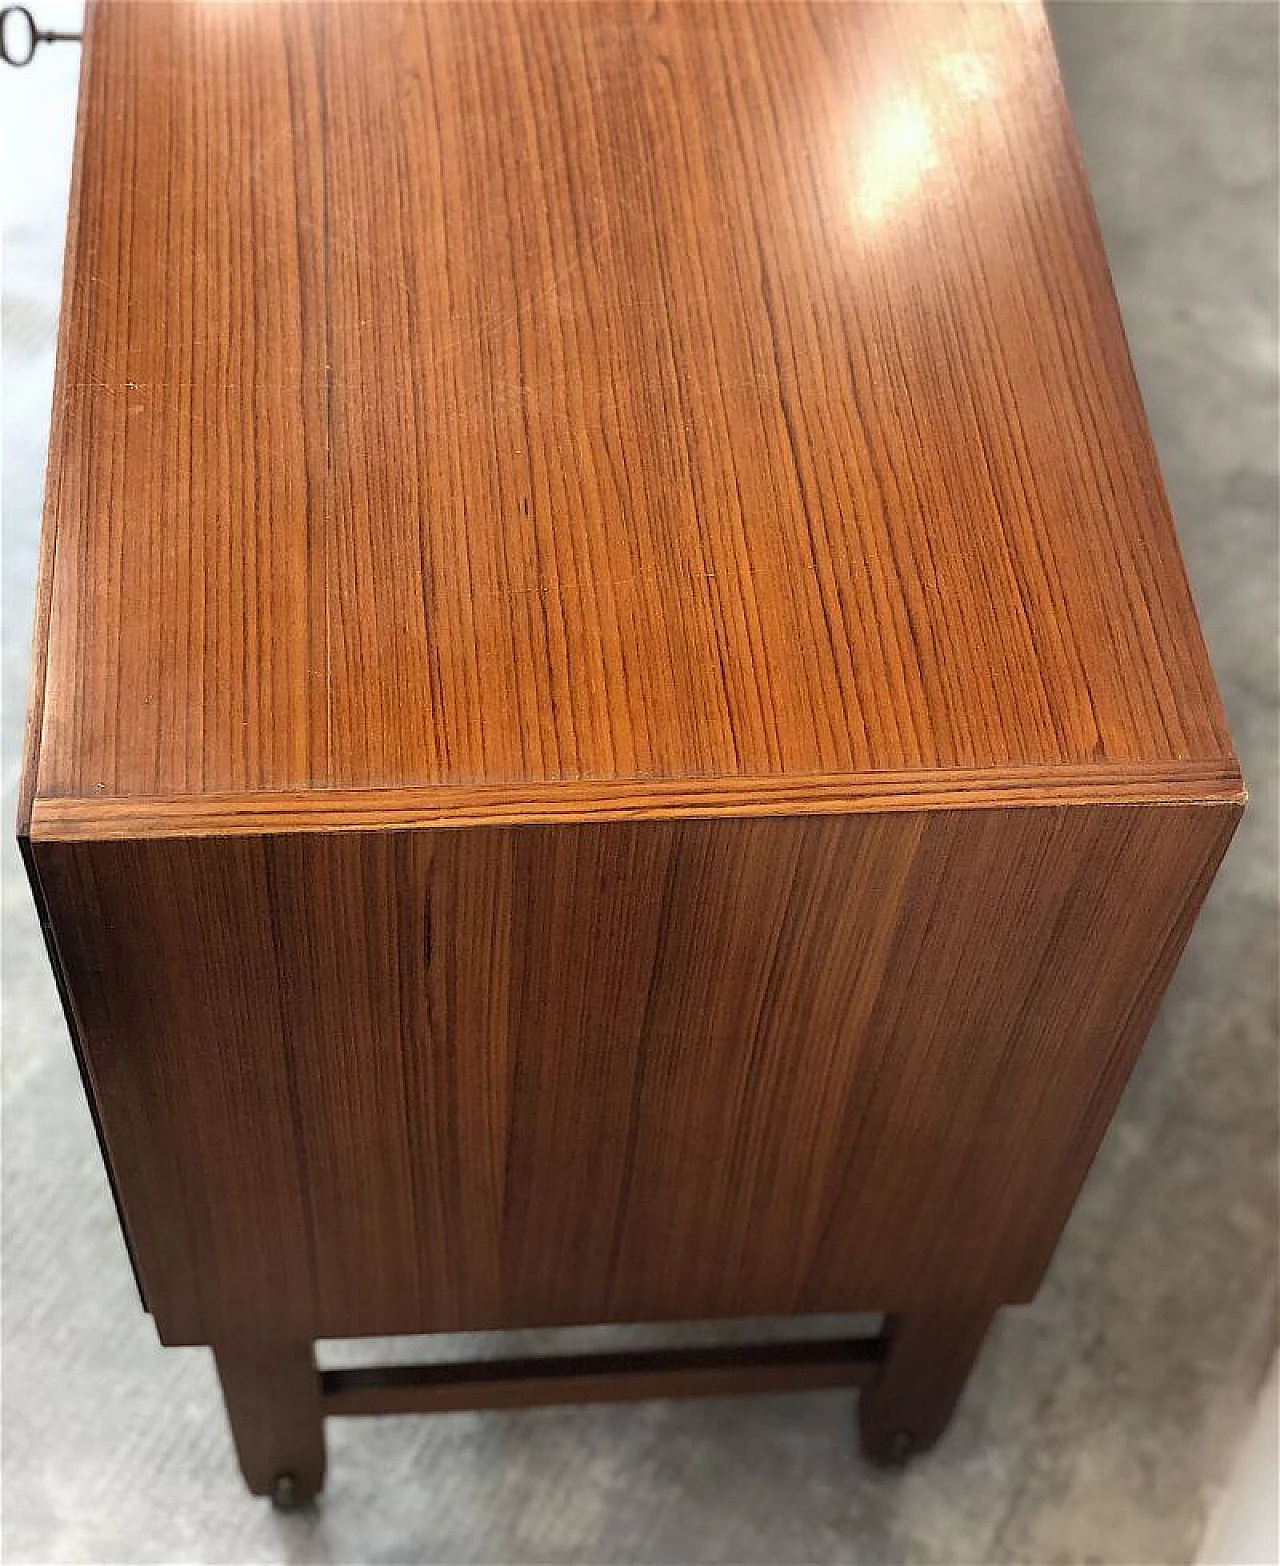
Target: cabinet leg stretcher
[(910, 1376)]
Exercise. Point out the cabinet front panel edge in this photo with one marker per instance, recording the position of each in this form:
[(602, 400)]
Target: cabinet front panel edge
[(76, 1034), (28, 785)]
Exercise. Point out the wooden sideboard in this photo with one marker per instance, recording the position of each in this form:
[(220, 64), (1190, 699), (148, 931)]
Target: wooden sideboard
[(619, 732)]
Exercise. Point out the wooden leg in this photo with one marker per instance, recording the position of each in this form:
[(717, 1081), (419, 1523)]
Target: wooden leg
[(928, 1356), (272, 1393)]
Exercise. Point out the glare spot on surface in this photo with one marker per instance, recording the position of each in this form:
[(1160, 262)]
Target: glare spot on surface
[(904, 139), (968, 75), (900, 148)]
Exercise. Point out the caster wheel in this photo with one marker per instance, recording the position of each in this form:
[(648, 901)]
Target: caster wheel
[(286, 1494)]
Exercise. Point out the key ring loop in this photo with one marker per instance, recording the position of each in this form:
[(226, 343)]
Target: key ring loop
[(12, 16), (7, 18)]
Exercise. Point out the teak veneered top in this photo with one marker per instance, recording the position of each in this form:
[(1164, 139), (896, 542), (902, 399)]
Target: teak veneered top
[(563, 408)]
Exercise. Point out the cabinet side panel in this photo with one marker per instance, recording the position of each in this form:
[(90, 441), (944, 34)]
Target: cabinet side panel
[(432, 1080)]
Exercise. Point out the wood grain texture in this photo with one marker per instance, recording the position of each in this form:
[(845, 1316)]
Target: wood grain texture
[(432, 1080), (527, 394), (325, 810), (619, 731)]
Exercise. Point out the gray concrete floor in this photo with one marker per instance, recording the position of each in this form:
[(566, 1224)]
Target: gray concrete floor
[(1102, 1419)]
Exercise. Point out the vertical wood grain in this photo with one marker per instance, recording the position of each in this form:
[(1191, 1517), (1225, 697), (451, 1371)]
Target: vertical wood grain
[(437, 1080)]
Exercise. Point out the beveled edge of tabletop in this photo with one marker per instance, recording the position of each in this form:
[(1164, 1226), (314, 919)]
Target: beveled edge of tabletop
[(61, 819)]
